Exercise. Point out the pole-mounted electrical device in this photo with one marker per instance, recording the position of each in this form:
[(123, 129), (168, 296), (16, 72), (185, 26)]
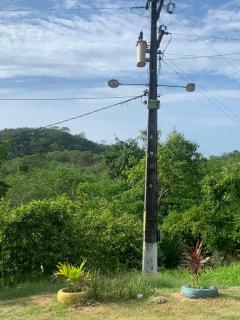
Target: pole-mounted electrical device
[(141, 53)]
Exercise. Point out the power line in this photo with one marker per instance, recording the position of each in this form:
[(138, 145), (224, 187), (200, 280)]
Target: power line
[(211, 47), (82, 115), (207, 37), (66, 10), (63, 99), (204, 56), (206, 94), (215, 100), (92, 112), (190, 55)]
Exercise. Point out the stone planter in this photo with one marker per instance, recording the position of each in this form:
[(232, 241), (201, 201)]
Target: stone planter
[(194, 293), (70, 298)]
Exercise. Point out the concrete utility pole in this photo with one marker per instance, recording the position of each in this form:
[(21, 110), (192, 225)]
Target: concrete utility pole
[(150, 255), (151, 233)]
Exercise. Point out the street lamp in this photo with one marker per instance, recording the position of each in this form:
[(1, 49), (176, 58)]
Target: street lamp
[(113, 83), (190, 87)]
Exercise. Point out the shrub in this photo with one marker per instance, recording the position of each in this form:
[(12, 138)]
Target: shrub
[(109, 242), (175, 235), (194, 263), (44, 233), (39, 234), (218, 227)]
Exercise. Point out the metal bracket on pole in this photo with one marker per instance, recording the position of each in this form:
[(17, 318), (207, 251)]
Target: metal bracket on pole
[(153, 104), (161, 32), (160, 8)]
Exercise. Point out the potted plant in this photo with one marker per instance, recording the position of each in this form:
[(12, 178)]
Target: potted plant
[(194, 263), (77, 280)]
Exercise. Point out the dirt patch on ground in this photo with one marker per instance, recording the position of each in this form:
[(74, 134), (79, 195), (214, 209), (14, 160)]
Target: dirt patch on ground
[(93, 310), (42, 300), (178, 296)]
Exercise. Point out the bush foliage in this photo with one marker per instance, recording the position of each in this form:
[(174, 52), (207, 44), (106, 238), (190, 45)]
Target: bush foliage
[(65, 199), (43, 233)]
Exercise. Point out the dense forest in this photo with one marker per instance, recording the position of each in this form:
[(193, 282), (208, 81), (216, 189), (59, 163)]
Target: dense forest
[(28, 141), (65, 198)]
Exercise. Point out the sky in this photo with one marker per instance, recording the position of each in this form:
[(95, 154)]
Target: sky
[(61, 54)]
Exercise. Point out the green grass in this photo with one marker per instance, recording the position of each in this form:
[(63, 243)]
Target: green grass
[(117, 296), (227, 276), (127, 286), (27, 289)]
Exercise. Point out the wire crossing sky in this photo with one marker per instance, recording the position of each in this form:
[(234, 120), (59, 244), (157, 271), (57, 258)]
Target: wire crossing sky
[(57, 56)]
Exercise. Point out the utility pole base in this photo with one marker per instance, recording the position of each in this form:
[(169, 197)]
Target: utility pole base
[(149, 264)]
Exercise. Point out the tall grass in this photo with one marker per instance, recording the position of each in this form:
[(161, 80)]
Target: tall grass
[(126, 286), (129, 285), (228, 275)]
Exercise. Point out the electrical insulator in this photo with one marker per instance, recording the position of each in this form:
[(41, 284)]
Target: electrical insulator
[(170, 7), (141, 53)]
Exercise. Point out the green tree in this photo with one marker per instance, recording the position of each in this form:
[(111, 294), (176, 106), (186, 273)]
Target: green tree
[(99, 193), (3, 157), (3, 153), (28, 141), (44, 183), (216, 219), (122, 156), (180, 169)]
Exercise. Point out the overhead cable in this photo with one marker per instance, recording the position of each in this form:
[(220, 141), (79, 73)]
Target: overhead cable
[(207, 95), (207, 44), (94, 111), (63, 99), (206, 36), (216, 56), (64, 9), (33, 131)]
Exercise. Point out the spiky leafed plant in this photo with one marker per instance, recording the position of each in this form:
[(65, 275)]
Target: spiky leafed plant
[(194, 262), (77, 278)]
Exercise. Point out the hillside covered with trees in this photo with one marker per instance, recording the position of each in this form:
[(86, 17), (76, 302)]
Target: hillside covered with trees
[(65, 198), (28, 141)]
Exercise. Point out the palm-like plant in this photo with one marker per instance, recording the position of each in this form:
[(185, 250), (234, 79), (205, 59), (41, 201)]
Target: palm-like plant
[(77, 278), (194, 262)]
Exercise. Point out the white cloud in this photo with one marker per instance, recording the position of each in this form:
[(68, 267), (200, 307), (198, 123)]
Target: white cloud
[(103, 43), (65, 47), (221, 21), (94, 44)]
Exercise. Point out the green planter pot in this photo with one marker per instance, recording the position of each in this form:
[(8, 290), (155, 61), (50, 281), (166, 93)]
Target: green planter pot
[(194, 293)]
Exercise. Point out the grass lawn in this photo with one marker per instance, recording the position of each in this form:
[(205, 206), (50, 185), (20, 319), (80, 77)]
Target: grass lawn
[(38, 300)]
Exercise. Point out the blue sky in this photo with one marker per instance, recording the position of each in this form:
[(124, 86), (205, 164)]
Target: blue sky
[(73, 54)]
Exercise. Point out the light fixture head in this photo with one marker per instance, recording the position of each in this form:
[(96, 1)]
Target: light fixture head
[(113, 83), (190, 87)]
